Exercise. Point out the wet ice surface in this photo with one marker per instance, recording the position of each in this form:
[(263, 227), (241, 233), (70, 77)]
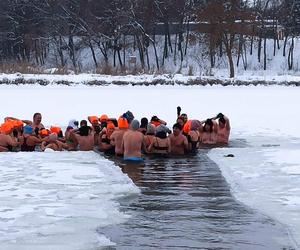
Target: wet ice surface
[(266, 176), (58, 200), (187, 204)]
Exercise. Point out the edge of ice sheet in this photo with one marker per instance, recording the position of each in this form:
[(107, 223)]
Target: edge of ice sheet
[(265, 176)]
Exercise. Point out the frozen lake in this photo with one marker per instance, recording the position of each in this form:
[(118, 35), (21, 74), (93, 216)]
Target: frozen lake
[(264, 175)]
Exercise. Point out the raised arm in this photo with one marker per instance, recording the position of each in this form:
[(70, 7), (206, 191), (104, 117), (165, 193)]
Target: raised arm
[(227, 124), (215, 126)]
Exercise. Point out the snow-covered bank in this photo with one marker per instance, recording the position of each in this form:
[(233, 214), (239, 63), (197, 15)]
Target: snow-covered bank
[(58, 200), (248, 78)]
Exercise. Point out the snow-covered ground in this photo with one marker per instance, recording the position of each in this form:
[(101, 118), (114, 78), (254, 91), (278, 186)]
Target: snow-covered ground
[(264, 174)]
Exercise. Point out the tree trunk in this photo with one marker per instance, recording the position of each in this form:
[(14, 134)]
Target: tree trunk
[(284, 45), (265, 53), (259, 50), (251, 46), (291, 55), (187, 37), (93, 54)]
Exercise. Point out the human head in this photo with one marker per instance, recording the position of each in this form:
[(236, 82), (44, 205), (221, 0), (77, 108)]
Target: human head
[(180, 120), (94, 120), (6, 128), (161, 134), (222, 122), (185, 117), (73, 123), (123, 123), (27, 130), (55, 130), (144, 122), (150, 129), (129, 116), (53, 137), (37, 118), (110, 128), (135, 125), (114, 121), (163, 128), (84, 130), (103, 118), (155, 121), (208, 126), (44, 133), (177, 129), (83, 123)]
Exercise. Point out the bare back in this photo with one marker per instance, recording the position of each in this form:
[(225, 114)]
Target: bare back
[(132, 144), (86, 143), (116, 140)]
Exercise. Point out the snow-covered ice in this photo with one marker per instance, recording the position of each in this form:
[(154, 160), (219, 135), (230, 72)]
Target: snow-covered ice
[(58, 200), (264, 173)]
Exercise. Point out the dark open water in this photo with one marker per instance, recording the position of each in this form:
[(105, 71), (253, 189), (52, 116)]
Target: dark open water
[(187, 204)]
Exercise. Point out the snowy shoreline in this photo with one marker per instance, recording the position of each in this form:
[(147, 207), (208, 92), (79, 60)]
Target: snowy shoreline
[(146, 80)]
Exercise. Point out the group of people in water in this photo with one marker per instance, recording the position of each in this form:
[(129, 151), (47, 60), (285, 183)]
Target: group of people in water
[(124, 137)]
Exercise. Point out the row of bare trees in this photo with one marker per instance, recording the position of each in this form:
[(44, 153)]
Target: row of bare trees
[(29, 29)]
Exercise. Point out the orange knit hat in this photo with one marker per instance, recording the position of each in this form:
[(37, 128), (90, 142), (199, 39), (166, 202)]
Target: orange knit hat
[(110, 125), (103, 118), (123, 123), (6, 128), (93, 119), (55, 130)]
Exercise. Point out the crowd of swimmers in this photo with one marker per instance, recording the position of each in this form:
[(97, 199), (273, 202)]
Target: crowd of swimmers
[(124, 137)]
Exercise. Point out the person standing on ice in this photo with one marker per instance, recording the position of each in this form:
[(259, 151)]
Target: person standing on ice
[(223, 129), (133, 142)]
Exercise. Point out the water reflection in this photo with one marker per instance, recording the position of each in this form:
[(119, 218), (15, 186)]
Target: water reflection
[(187, 204)]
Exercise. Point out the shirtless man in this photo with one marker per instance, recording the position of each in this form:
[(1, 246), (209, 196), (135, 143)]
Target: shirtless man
[(84, 140), (117, 136), (223, 129), (133, 142), (179, 143), (54, 144)]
